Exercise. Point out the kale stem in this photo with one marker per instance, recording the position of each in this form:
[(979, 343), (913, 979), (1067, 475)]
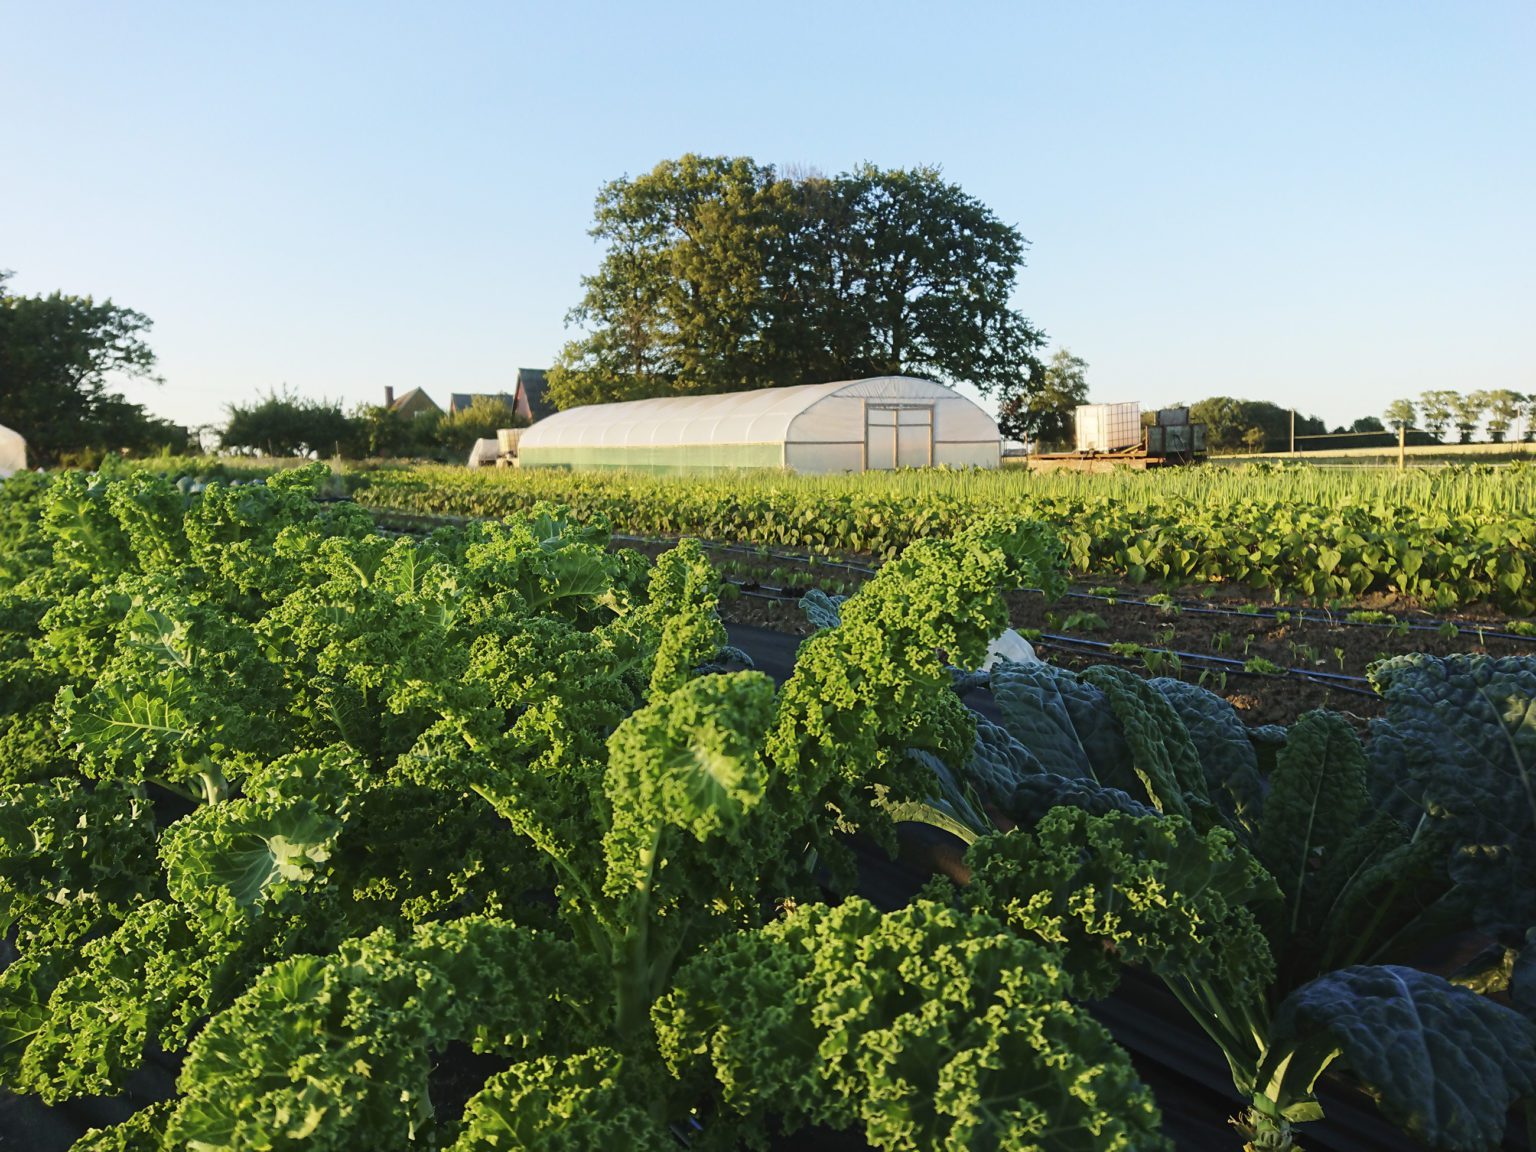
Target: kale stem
[(632, 961), (175, 789), (1213, 1024)]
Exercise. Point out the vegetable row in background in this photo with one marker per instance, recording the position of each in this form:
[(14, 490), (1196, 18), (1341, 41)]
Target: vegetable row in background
[(319, 811), (1273, 539)]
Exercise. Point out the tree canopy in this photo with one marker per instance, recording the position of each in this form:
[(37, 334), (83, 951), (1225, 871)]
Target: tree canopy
[(284, 424), (58, 355), (1401, 414), (1229, 421), (281, 424), (1044, 412), (723, 274)]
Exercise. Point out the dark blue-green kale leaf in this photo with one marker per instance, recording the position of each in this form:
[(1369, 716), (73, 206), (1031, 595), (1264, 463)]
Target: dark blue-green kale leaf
[(1463, 728), (1225, 747), (1444, 1063), (1062, 720)]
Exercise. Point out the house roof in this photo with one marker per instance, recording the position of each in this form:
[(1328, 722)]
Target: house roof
[(532, 385), (408, 400)]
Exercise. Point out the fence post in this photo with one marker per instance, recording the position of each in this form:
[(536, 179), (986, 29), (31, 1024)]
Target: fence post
[(1402, 446)]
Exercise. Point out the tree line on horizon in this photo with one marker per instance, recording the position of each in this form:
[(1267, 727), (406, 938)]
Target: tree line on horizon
[(282, 424), (719, 274), (1441, 408)]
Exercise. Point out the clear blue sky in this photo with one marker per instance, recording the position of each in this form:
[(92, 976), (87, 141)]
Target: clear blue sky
[(1322, 204)]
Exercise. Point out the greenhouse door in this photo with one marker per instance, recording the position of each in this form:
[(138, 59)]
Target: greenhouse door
[(898, 437)]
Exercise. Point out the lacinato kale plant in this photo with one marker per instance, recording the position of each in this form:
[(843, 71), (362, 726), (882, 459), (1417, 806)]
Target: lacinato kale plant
[(1288, 911)]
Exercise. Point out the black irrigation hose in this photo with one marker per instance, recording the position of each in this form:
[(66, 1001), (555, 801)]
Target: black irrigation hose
[(1299, 614), (1336, 680)]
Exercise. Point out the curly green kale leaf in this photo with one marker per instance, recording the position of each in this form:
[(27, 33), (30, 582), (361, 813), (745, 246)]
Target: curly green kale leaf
[(690, 838), (153, 980), (927, 1028), (254, 542), (186, 699), (1118, 888), (334, 1052), (72, 857), (144, 1131), (867, 692), (663, 637), (371, 655), (599, 1098)]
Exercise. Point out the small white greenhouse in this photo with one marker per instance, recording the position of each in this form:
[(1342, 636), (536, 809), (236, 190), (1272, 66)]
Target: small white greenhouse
[(13, 452), (845, 426)]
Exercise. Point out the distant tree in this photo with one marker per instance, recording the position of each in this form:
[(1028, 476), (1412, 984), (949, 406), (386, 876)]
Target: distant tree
[(1528, 414), (1225, 430), (1437, 406), (1400, 415), (1253, 439), (723, 274), (1227, 422), (1468, 410), (1503, 410), (456, 433), (1043, 412), (282, 424), (384, 431), (1366, 424), (58, 356)]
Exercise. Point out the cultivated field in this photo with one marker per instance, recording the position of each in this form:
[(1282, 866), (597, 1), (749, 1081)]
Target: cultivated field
[(326, 828)]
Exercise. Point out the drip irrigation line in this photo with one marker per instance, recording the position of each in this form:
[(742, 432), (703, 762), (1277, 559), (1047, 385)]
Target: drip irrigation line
[(1300, 614), (1336, 680)]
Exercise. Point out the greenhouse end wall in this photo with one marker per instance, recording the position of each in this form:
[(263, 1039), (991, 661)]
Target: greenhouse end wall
[(665, 458)]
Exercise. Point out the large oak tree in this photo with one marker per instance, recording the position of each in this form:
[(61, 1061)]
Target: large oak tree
[(723, 274)]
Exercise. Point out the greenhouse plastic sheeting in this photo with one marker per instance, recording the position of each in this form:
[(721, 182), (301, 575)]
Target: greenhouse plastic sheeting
[(13, 452), (847, 425)]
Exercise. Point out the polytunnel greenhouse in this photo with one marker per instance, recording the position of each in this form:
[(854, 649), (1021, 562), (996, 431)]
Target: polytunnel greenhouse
[(13, 452), (844, 426)]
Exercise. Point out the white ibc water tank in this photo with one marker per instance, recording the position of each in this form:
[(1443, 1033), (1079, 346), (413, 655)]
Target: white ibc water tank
[(1108, 427)]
